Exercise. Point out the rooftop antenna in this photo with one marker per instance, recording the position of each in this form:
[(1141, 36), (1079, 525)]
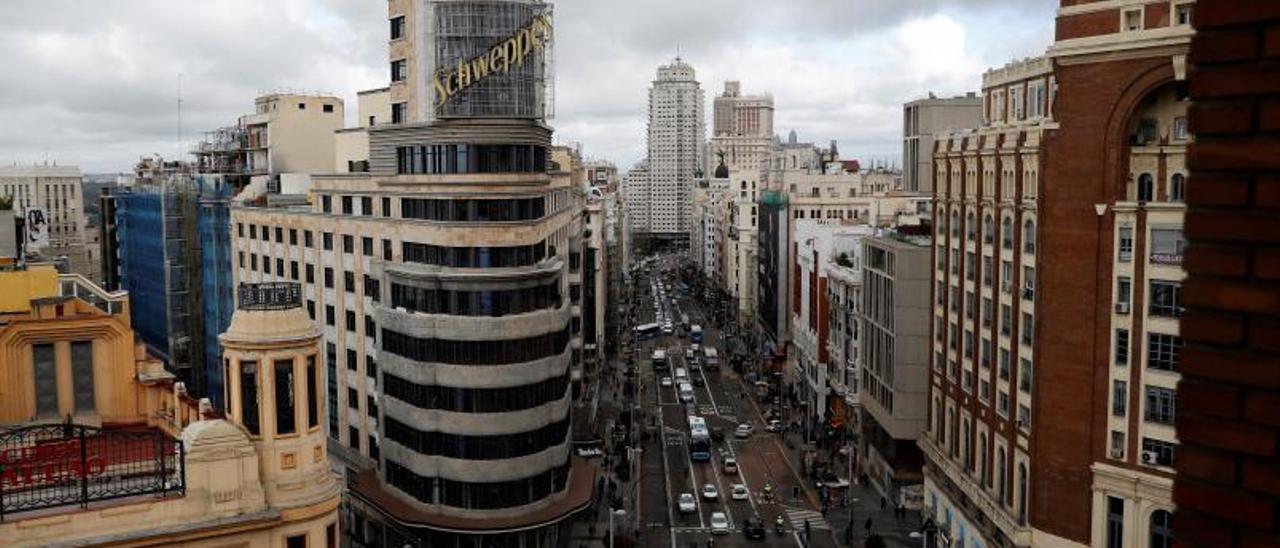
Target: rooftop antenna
[(179, 158), (677, 52)]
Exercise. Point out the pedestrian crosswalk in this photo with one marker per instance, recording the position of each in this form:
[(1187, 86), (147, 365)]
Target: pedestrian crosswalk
[(797, 517)]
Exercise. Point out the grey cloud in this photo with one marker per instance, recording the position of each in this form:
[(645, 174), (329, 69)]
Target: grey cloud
[(99, 78)]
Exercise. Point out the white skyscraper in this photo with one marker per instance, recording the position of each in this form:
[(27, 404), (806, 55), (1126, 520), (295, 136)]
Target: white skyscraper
[(659, 197)]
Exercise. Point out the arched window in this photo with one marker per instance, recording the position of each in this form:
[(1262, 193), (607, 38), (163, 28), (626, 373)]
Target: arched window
[(1177, 187), (988, 230), (1161, 529), (982, 462), (1022, 494), (1146, 187), (955, 224), (1006, 233), (744, 185), (970, 229), (941, 427), (1002, 477), (1029, 237)]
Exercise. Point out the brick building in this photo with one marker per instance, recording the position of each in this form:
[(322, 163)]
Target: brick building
[(1057, 289), (1228, 485)]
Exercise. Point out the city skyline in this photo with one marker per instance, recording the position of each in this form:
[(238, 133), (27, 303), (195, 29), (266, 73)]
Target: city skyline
[(833, 70)]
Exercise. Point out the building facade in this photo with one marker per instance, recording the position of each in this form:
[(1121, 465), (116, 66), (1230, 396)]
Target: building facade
[(1098, 129), (81, 400), (288, 132), (923, 118), (449, 282), (893, 362), (51, 200), (659, 200)]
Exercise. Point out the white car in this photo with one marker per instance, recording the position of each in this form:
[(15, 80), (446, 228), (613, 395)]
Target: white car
[(665, 381), (687, 504), (719, 523), (709, 492), (744, 431), (739, 492)]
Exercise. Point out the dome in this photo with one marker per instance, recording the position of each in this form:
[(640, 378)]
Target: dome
[(722, 171)]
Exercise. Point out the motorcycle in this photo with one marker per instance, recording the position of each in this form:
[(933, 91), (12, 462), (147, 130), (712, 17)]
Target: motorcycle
[(778, 525)]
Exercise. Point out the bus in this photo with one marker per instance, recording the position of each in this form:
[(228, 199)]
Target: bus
[(699, 439), (712, 358), (647, 331), (659, 359), (695, 333)]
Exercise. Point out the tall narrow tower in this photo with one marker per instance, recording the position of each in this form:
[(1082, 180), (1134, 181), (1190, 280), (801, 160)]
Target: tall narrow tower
[(271, 362), (675, 138)]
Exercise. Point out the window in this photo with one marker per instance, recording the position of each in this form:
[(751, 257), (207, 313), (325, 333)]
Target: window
[(353, 398), (327, 241), (1124, 288), (311, 274), (353, 437), (1162, 351), (1122, 347), (987, 307), (970, 228), (306, 238), (1177, 187), (326, 206), (82, 376), (1166, 246), (296, 541), (1157, 452), (1006, 233), (1024, 375), (399, 70), (1166, 298), (1006, 319), (988, 230), (1029, 237), (328, 277), (988, 268), (462, 158), (1002, 404), (386, 250), (285, 420), (348, 243), (397, 27), (249, 396), (1180, 128), (329, 314), (1133, 20), (1119, 398), (293, 270), (399, 113), (1161, 405), (386, 207), (313, 391), (1035, 99), (1115, 522), (1161, 528), (253, 232), (366, 205), (293, 236), (1117, 444), (1182, 15), (266, 264), (1006, 276), (1125, 246), (1028, 327), (350, 317), (1146, 187), (302, 106)]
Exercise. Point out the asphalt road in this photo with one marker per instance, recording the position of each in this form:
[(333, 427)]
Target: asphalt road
[(723, 400)]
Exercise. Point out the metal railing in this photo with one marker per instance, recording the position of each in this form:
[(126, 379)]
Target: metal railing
[(50, 465)]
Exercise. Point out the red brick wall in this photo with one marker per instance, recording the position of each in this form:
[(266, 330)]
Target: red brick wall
[(1088, 24), (1228, 485), (1084, 163)]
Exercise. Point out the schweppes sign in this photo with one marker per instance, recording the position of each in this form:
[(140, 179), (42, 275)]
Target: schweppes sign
[(504, 55)]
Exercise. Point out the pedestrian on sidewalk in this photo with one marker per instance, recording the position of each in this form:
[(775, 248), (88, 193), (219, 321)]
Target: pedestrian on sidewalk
[(882, 503), (868, 524)]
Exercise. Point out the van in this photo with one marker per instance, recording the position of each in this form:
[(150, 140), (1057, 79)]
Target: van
[(682, 375), (686, 392)]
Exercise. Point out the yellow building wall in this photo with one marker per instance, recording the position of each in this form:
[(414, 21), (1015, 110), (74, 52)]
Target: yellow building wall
[(17, 289)]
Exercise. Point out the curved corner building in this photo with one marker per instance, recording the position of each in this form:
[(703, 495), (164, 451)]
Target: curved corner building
[(472, 315)]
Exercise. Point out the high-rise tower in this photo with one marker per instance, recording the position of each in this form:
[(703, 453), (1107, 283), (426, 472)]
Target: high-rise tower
[(676, 133)]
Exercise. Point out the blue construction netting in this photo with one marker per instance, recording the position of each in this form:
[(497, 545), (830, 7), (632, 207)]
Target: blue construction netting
[(140, 233), (217, 291)]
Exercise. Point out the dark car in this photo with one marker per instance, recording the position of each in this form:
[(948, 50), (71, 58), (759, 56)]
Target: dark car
[(753, 528)]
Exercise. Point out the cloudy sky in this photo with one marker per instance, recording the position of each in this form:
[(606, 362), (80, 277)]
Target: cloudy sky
[(95, 83)]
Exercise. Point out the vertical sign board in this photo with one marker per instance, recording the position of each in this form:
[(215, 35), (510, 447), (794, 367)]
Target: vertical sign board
[(37, 228)]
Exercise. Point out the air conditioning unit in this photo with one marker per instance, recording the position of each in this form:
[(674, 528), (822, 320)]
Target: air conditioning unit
[(1028, 293), (1122, 308), (1117, 453), (1022, 423), (1148, 457)]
